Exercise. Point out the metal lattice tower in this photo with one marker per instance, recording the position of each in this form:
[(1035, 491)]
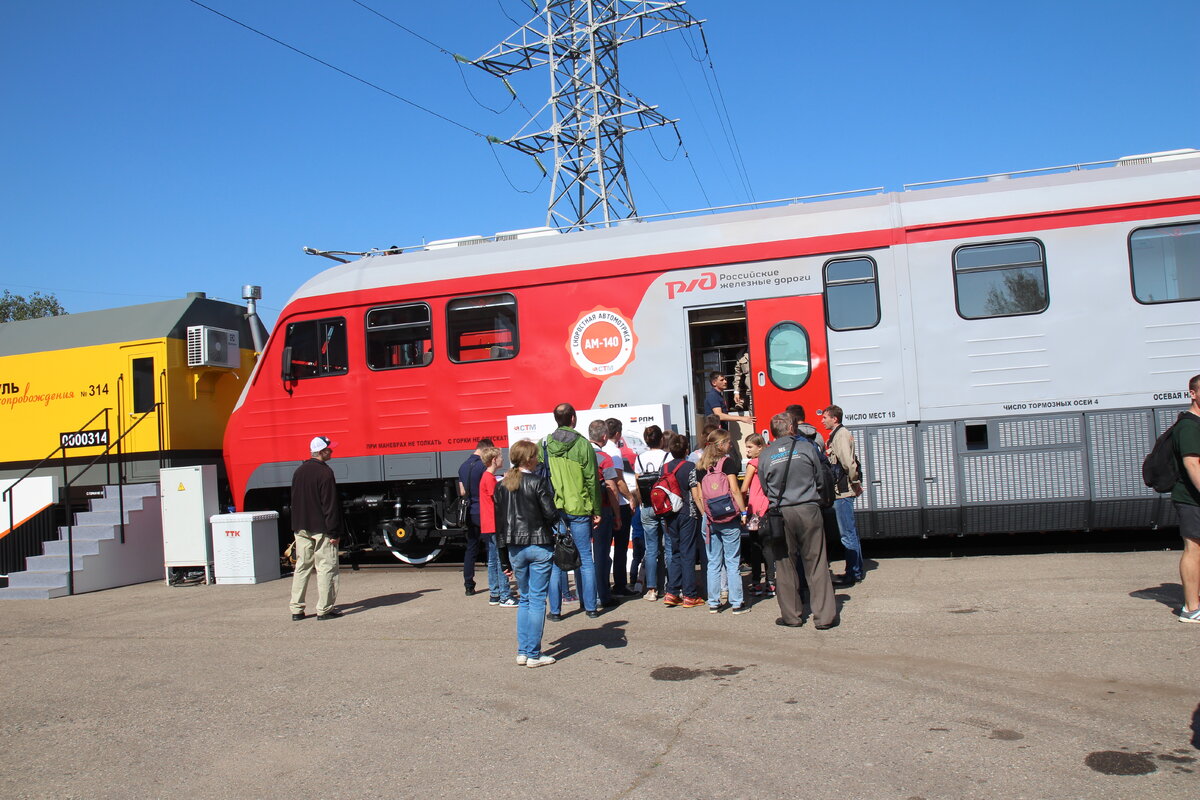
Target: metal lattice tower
[(578, 40)]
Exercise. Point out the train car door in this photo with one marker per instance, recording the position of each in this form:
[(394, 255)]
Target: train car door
[(139, 393), (789, 359)]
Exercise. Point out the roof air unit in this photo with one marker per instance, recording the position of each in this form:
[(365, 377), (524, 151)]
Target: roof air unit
[(213, 347)]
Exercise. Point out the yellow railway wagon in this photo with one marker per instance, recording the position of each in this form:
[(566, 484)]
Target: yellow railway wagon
[(164, 376)]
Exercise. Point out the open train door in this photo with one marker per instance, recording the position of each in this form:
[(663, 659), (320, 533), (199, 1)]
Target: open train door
[(789, 360)]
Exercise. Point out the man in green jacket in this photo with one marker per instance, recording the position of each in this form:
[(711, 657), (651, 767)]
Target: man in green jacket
[(572, 463)]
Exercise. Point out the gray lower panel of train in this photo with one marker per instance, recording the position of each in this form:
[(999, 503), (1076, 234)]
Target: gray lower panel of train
[(1066, 472)]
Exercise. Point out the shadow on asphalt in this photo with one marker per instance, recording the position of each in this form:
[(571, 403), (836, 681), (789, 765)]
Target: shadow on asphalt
[(383, 601), (1166, 593), (610, 636)]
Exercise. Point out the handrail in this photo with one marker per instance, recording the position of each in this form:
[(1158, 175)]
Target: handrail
[(120, 492), (8, 493), (52, 452)]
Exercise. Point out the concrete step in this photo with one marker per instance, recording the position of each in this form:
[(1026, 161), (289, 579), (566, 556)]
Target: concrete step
[(90, 532), (43, 579), (133, 490), (32, 593), (101, 517), (55, 563), (84, 547)]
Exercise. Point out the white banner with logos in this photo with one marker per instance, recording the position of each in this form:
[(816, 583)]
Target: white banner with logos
[(634, 419)]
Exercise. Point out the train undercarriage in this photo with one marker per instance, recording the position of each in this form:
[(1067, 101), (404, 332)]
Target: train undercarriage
[(406, 518)]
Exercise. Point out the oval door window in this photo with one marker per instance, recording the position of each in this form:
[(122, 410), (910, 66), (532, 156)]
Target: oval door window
[(788, 361)]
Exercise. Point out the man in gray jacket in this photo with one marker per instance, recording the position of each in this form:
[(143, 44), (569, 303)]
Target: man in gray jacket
[(795, 458)]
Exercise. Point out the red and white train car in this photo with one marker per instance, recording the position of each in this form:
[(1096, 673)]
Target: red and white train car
[(1006, 349)]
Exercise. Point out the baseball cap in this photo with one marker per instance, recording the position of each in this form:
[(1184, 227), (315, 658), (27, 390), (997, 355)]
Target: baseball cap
[(319, 443)]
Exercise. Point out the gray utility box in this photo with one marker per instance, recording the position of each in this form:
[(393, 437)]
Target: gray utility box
[(246, 547), (189, 498)]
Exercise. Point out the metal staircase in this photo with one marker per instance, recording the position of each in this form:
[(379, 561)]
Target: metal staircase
[(102, 560)]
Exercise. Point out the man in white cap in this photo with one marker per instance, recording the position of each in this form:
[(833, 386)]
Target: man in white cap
[(316, 524)]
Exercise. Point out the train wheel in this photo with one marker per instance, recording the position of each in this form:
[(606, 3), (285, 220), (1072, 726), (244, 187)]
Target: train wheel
[(409, 549), (418, 553)]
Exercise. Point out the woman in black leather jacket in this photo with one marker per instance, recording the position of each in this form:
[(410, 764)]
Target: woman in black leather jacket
[(525, 519)]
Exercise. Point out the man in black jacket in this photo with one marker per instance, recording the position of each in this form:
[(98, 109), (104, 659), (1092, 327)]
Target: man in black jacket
[(316, 525)]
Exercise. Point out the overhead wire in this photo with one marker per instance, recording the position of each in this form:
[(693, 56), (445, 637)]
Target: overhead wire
[(458, 60), (350, 75), (722, 109)]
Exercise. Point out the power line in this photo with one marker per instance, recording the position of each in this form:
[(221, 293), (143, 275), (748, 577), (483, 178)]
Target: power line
[(739, 162), (403, 28), (351, 75)]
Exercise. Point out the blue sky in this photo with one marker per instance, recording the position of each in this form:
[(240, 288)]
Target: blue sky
[(151, 148)]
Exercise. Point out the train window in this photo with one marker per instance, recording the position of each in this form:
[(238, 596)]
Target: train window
[(1166, 263), (143, 385), (1004, 279), (399, 336), (788, 359), (851, 294), (316, 348), (482, 328)]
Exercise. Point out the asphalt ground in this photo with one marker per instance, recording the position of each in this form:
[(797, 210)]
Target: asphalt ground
[(1061, 675)]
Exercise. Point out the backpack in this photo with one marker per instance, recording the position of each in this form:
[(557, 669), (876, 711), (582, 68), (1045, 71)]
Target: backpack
[(714, 488), (646, 480), (1160, 470), (665, 495), (825, 482), (542, 470), (841, 476)]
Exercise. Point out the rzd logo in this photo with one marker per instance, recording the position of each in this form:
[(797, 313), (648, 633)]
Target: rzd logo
[(706, 281)]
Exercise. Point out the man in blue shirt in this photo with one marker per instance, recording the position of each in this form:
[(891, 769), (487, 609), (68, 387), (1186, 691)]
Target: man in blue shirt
[(714, 401), (469, 475)]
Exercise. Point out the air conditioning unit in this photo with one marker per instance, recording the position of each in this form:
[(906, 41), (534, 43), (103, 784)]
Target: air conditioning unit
[(213, 347)]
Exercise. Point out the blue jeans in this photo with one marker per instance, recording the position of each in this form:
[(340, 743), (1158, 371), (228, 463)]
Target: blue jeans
[(472, 553), (585, 576), (724, 549), (497, 580), (844, 508), (652, 530), (602, 538), (531, 565), (620, 550), (681, 569), (638, 536)]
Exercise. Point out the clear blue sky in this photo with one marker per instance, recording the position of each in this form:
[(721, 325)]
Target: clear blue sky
[(150, 148)]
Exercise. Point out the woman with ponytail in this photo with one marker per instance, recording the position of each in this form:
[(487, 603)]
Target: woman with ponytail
[(525, 517)]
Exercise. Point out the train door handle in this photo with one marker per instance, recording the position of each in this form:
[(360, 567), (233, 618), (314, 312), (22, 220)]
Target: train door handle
[(762, 378)]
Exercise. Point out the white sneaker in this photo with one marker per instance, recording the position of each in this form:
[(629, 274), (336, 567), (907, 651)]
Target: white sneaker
[(1189, 616), (522, 661), (540, 661), (509, 603)]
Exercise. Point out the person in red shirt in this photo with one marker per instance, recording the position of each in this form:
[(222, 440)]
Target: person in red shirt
[(499, 591)]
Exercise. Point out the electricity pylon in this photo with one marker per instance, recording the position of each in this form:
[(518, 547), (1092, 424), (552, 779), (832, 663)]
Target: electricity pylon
[(578, 40)]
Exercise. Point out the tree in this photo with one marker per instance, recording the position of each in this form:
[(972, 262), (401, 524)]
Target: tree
[(1021, 293), (15, 307)]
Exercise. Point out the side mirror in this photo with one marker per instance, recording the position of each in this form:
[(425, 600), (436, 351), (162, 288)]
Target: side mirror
[(288, 373)]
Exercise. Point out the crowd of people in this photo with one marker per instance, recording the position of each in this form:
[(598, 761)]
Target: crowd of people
[(770, 512), (766, 508)]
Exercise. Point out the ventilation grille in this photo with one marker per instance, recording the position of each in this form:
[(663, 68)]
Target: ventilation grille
[(1040, 432), (937, 446), (1024, 476), (891, 466), (1118, 443)]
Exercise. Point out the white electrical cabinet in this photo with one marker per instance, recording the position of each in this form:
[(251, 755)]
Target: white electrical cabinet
[(246, 547), (189, 498)]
